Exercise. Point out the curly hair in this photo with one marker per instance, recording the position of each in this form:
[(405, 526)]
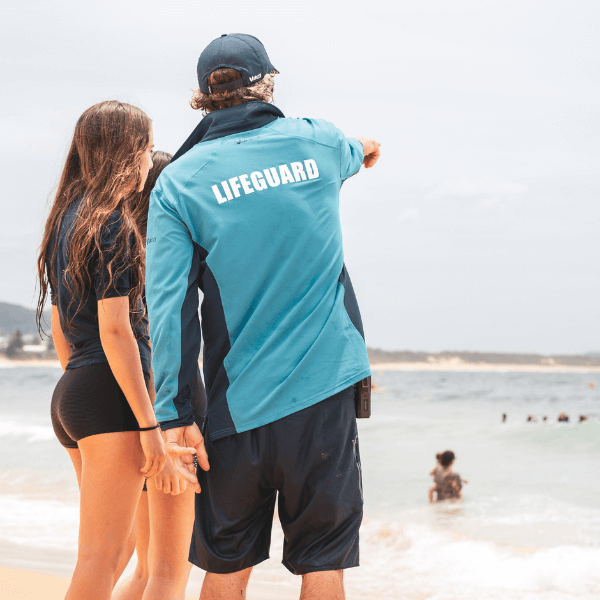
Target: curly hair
[(260, 91)]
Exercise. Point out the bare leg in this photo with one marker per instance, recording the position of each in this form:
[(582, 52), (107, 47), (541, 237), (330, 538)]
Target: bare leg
[(225, 587), (111, 484), (133, 588), (171, 524), (325, 585), (75, 456), (431, 490)]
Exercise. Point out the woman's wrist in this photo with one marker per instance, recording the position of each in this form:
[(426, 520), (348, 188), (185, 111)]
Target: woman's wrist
[(148, 421), (150, 427)]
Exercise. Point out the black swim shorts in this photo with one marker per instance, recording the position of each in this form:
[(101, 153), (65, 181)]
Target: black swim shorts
[(311, 459), (88, 401)]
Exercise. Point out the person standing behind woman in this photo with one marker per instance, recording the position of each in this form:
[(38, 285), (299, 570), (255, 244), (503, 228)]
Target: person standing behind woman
[(92, 263), (164, 520)]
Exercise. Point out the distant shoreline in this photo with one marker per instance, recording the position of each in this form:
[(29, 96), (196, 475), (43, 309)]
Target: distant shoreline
[(456, 360), (452, 364), (28, 362)]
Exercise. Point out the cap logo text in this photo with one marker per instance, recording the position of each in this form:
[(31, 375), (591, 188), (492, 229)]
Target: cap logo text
[(255, 77)]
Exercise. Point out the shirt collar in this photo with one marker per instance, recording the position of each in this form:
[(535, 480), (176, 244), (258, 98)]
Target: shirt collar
[(228, 121)]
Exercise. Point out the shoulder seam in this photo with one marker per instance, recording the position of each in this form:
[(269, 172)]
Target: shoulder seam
[(301, 137), (176, 208), (192, 177)]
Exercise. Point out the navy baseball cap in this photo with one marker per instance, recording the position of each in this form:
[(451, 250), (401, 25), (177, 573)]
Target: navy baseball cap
[(238, 51)]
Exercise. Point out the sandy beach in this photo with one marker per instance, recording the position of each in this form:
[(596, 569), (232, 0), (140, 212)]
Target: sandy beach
[(23, 585), (16, 583)]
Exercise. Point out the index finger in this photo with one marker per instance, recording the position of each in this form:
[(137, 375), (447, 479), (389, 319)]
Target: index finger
[(371, 159), (175, 450), (202, 457)]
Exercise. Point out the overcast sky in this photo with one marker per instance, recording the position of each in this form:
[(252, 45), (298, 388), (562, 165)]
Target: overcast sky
[(477, 230)]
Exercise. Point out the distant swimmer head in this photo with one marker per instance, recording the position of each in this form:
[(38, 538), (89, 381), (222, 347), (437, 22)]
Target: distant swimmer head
[(583, 418), (447, 458), (233, 69)]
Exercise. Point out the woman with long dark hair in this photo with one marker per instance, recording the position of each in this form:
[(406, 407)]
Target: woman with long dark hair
[(92, 264)]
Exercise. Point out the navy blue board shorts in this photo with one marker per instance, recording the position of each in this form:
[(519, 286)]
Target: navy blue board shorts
[(311, 460)]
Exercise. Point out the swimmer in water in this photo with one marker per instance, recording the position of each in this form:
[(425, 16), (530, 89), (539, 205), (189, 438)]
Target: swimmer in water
[(448, 484), (563, 417), (504, 417)]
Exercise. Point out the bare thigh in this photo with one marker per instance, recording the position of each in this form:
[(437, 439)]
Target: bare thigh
[(75, 456), (171, 525), (111, 484)]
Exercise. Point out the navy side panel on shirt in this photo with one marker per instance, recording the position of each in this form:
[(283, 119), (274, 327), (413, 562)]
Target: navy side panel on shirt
[(281, 325), (350, 302), (83, 333)]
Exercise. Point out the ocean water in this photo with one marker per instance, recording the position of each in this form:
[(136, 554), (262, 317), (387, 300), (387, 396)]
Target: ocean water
[(528, 527)]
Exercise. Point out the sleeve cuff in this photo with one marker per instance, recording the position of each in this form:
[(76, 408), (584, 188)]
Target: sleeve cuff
[(181, 422), (358, 145), (117, 292)]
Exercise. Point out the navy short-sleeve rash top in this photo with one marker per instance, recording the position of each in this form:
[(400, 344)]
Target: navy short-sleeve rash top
[(79, 318)]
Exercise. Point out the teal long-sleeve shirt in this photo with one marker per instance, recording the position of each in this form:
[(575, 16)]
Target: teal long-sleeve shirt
[(251, 218)]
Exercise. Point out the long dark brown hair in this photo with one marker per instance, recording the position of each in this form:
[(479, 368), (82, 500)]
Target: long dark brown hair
[(159, 161), (102, 170)]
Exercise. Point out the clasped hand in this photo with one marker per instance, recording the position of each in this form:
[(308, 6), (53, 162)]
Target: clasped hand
[(182, 443)]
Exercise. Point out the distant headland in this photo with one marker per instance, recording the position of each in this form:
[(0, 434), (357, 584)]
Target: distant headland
[(384, 360), (20, 341)]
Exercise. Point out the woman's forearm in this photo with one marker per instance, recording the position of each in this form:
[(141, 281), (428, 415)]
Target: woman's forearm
[(123, 356)]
